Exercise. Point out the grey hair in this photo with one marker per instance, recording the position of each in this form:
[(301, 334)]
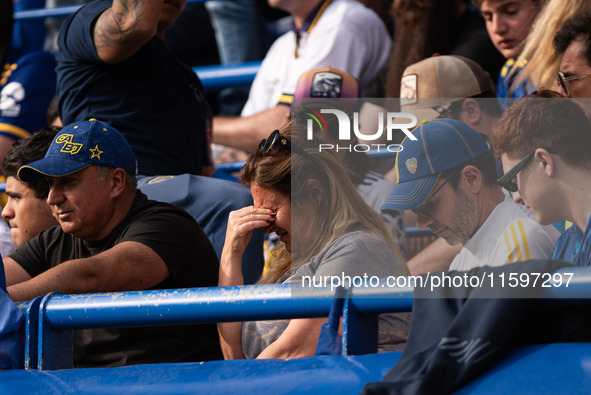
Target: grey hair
[(103, 171)]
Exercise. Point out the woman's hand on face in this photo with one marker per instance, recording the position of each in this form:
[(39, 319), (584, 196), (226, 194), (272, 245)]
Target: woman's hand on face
[(241, 224)]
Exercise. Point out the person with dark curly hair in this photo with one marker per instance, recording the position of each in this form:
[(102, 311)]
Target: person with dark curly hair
[(573, 40)]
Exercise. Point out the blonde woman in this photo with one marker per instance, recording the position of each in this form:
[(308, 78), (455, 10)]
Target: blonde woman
[(326, 228)]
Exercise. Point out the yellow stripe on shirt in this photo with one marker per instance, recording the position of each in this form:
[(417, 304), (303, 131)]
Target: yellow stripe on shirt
[(313, 24), (524, 239), (285, 99), (517, 249), (510, 257)]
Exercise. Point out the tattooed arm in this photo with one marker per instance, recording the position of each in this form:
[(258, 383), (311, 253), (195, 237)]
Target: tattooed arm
[(122, 29)]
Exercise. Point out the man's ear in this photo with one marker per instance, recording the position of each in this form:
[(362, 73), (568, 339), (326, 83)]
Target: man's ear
[(471, 178), (546, 160), (118, 179), (471, 113)]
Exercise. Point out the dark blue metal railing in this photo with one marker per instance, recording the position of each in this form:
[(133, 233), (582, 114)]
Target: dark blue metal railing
[(51, 319), (220, 76)]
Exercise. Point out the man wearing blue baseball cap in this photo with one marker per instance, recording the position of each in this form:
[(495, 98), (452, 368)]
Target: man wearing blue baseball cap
[(448, 178), (112, 238)]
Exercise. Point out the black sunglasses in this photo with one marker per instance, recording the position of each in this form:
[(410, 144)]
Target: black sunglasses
[(507, 181), (424, 208), (277, 140), (449, 110), (274, 138)]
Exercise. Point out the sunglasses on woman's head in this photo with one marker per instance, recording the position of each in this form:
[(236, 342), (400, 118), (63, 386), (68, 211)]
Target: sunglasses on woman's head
[(274, 139), (277, 140)]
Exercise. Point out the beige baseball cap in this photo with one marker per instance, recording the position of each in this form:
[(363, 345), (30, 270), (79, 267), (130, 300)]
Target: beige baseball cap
[(428, 87)]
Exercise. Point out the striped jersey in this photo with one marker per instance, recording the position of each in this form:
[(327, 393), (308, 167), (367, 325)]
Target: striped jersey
[(510, 234)]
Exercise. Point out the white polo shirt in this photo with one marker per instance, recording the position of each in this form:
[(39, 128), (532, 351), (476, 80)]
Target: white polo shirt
[(348, 36)]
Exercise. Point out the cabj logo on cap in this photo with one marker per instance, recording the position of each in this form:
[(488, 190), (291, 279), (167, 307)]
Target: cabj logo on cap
[(411, 165), (80, 145), (69, 146)]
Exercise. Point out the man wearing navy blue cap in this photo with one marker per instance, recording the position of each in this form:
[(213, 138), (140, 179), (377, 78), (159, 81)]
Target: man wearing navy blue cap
[(112, 238), (448, 178)]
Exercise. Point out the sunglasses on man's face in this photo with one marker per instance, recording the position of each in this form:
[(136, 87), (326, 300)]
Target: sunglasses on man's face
[(508, 180), (427, 207)]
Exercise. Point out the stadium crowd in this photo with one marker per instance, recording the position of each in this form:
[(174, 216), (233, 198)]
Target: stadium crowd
[(108, 144)]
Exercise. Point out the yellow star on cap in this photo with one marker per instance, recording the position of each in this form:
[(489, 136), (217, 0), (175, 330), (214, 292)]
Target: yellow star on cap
[(96, 153)]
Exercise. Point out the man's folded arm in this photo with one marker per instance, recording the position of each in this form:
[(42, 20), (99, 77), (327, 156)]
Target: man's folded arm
[(14, 272), (246, 133), (128, 266)]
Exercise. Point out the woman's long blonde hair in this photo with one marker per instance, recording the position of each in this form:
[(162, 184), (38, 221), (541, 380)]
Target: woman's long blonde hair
[(542, 60), (341, 208)]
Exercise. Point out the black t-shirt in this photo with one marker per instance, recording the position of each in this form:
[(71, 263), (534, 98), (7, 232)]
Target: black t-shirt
[(177, 238), (152, 98)]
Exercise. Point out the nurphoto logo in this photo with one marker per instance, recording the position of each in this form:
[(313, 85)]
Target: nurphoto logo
[(394, 121)]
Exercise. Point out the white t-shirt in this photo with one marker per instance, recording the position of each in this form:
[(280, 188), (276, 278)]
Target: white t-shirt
[(508, 235), (348, 36)]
